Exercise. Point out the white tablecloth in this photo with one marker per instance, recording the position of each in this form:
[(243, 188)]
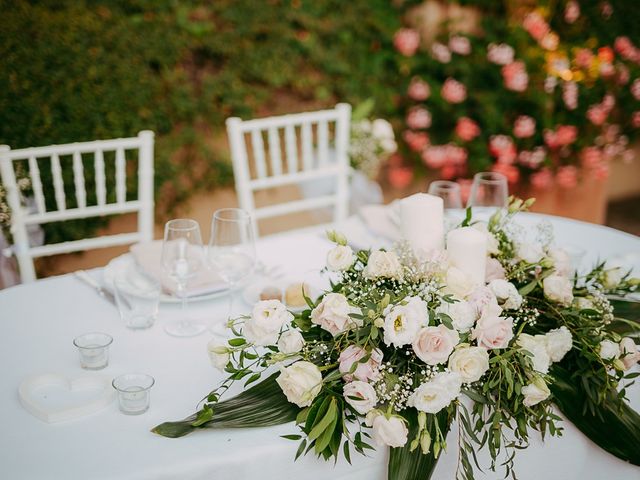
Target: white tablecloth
[(40, 320)]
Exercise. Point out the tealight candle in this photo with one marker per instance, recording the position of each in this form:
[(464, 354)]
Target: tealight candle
[(422, 222), (467, 251), (134, 393), (94, 350)]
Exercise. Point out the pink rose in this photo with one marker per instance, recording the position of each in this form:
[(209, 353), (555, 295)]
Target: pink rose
[(623, 74), (567, 176), (441, 52), (494, 270), (493, 331), (364, 371), (455, 155), (570, 95), (584, 58), (467, 129), (418, 90), (500, 145), (407, 41), (635, 89), (511, 172), (524, 126), (623, 46), (501, 54), (597, 114), (571, 11), (449, 172), (591, 157), (400, 177), (418, 118), (607, 69), (434, 156), (536, 25), (515, 76), (453, 91), (416, 141), (566, 134), (609, 101), (542, 179), (460, 45), (433, 345)]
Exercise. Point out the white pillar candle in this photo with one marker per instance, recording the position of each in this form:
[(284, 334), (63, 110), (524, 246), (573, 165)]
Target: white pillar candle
[(422, 222), (467, 251)]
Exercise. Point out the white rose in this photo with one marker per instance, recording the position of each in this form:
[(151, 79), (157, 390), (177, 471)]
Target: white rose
[(493, 247), (458, 283), (290, 342), (340, 258), (300, 382), (529, 252), (218, 354), (561, 262), (609, 350), (267, 318), (390, 431), (536, 346), (361, 396), (558, 289), (437, 393), (630, 352), (332, 314), (559, 342), (470, 363), (613, 275), (494, 270), (506, 293), (433, 345), (535, 392), (462, 314), (382, 130), (383, 264), (402, 322)]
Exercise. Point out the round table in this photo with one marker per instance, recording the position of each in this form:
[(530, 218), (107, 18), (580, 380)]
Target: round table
[(41, 319)]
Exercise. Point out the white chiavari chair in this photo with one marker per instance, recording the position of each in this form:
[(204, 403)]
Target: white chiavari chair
[(300, 148), (60, 159)]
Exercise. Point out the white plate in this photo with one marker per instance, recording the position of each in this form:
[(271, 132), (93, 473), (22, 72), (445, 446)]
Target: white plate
[(125, 261)]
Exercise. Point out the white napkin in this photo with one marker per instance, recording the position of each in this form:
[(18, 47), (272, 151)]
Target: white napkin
[(149, 257), (382, 220)]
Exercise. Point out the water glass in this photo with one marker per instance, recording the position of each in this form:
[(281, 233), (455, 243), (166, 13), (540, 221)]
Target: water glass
[(137, 296), (134, 392), (448, 191), (94, 350), (489, 189)]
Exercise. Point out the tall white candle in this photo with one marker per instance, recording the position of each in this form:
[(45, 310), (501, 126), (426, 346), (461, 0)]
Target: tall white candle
[(467, 251), (422, 222)]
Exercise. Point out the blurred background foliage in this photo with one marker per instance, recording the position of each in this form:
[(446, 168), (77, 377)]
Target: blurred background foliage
[(77, 70)]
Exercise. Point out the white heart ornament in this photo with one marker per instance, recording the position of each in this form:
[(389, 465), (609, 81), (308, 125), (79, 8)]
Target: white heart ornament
[(53, 397)]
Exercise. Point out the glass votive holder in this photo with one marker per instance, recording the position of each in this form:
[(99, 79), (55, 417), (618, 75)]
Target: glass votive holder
[(134, 392), (137, 297), (94, 350)]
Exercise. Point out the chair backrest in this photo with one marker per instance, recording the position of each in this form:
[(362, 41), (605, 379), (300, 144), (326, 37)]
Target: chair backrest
[(301, 148), (69, 158)]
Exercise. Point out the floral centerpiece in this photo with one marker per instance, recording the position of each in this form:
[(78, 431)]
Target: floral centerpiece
[(490, 333)]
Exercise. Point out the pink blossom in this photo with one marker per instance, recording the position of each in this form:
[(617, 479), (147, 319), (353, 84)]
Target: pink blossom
[(635, 89), (511, 172), (606, 9), (456, 155), (609, 101), (607, 69), (536, 25), (400, 177), (567, 176), (542, 179), (591, 157), (532, 159), (566, 134), (584, 58), (460, 45), (623, 74), (550, 41), (570, 95), (453, 91), (635, 119), (623, 46), (416, 141), (499, 144), (419, 118), (418, 90), (597, 114), (467, 129), (524, 126), (364, 371), (515, 76), (550, 84), (434, 156), (500, 54), (449, 172), (441, 52), (571, 11), (407, 41)]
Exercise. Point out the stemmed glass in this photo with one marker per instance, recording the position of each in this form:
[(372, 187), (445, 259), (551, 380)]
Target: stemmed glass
[(232, 248), (448, 191), (182, 258), (489, 189)]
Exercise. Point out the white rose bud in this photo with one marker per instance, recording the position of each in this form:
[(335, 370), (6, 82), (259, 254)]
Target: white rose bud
[(536, 392), (506, 293), (290, 342), (300, 382), (537, 346), (630, 353), (340, 258), (267, 318), (558, 289), (436, 393), (383, 264), (361, 396), (559, 342), (390, 431), (218, 354), (609, 350), (470, 363)]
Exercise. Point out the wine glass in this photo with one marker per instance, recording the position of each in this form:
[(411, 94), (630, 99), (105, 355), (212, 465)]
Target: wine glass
[(182, 258), (232, 248), (448, 191), (489, 189)]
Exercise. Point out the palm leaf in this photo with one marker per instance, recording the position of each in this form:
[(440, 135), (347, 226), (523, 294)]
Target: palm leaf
[(262, 405), (617, 430)]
